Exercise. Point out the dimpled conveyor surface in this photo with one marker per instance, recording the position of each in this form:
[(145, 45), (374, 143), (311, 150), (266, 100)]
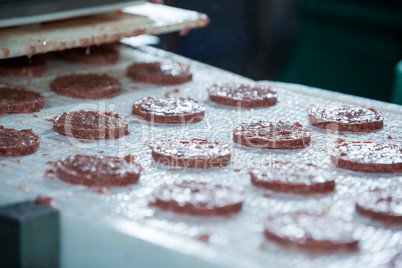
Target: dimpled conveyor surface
[(235, 240)]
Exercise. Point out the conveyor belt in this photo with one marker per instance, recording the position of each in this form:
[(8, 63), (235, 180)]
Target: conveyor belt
[(119, 227)]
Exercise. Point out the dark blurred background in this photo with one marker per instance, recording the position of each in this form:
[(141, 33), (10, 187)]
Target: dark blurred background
[(351, 46)]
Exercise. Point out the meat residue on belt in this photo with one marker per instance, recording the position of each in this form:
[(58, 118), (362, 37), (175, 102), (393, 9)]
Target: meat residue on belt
[(102, 190), (18, 161), (170, 92), (22, 188), (339, 140), (323, 150), (151, 204), (6, 52), (389, 137), (46, 200), (160, 2), (204, 238), (45, 154), (31, 51), (29, 77), (35, 115), (204, 19), (48, 172), (184, 31)]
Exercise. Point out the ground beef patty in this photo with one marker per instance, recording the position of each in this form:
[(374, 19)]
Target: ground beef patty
[(198, 198), (311, 231), (23, 66), (191, 153), (368, 157), (89, 86), (279, 135), (168, 73), (98, 170), (18, 142), (15, 99), (345, 118), (169, 110), (236, 94), (293, 178), (103, 54), (396, 261), (90, 125), (381, 205)]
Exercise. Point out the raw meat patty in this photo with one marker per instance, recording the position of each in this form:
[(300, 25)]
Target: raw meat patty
[(103, 54), (89, 86), (279, 135), (15, 99), (198, 198), (236, 94), (345, 118), (18, 142), (90, 125), (396, 261), (169, 110), (368, 157), (23, 67), (293, 178), (191, 153), (98, 170), (311, 231), (168, 73), (381, 205)]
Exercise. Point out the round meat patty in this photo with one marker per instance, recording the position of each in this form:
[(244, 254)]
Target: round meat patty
[(368, 157), (168, 73), (98, 170), (396, 261), (15, 99), (279, 135), (345, 118), (236, 94), (23, 67), (293, 178), (88, 86), (385, 206), (198, 198), (191, 153), (90, 125), (311, 231), (103, 54), (18, 142), (169, 110)]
